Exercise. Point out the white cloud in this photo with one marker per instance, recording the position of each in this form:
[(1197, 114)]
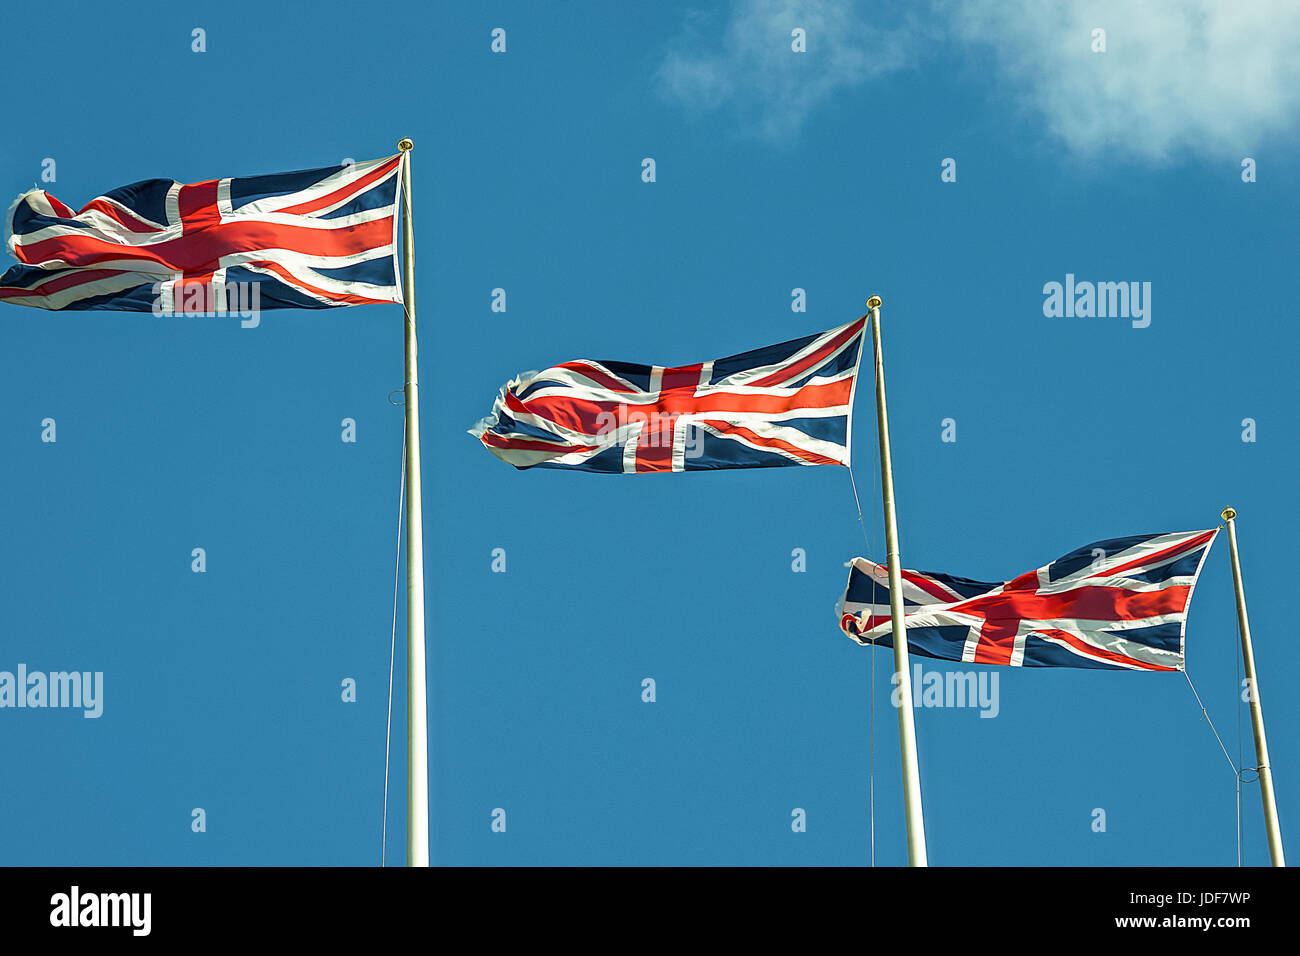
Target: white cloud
[(1211, 77), (1207, 77), (747, 66)]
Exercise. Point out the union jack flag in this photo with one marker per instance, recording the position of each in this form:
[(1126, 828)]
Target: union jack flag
[(1118, 604), (787, 404), (305, 240)]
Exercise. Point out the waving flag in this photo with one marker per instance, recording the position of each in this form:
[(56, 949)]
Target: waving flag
[(788, 404), (1118, 604), (306, 240)]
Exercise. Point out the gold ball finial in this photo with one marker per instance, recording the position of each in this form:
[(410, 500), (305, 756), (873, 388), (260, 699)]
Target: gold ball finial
[(405, 145), (874, 302), (1228, 513)]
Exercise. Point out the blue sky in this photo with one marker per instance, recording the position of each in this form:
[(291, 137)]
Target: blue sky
[(774, 171)]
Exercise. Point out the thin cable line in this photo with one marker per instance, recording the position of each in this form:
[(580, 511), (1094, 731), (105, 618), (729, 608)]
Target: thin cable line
[(1236, 691), (871, 719), (392, 650), (1236, 773), (877, 526), (854, 485), (871, 782), (1240, 753), (1206, 714)]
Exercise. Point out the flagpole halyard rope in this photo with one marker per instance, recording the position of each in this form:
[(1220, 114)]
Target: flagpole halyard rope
[(1240, 758), (1236, 773), (392, 648), (878, 526), (1206, 715), (871, 718)]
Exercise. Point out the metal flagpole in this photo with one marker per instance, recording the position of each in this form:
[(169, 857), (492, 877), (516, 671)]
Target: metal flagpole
[(1256, 715), (417, 715), (916, 855)]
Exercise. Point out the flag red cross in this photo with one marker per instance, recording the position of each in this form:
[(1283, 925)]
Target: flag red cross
[(681, 393), (999, 614), (1020, 600)]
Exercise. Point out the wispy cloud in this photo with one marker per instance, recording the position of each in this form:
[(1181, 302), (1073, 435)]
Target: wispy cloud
[(1202, 77), (1210, 77), (746, 66)]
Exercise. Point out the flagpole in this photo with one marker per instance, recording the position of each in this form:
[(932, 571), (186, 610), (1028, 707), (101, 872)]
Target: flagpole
[(417, 714), (1256, 714), (916, 855)]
